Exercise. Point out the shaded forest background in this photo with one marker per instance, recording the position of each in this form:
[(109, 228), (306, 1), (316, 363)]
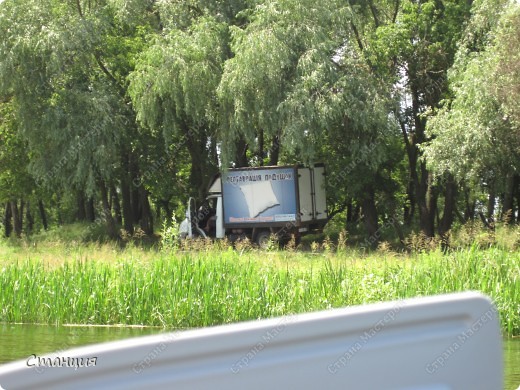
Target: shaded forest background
[(116, 111)]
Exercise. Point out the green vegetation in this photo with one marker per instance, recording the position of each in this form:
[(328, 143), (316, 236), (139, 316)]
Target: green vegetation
[(217, 284), (114, 112)]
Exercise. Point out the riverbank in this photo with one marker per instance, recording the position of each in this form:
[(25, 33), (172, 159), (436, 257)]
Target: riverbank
[(105, 286)]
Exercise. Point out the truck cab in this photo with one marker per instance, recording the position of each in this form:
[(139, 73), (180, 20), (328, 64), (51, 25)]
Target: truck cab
[(204, 221)]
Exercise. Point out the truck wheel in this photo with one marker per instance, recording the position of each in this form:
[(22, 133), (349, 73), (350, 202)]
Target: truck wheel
[(263, 238)]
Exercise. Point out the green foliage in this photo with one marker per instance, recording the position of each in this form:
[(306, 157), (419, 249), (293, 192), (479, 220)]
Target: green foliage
[(170, 235), (193, 61), (221, 286), (508, 68), (467, 122), (173, 93), (70, 115), (477, 118), (139, 98), (280, 78), (14, 178)]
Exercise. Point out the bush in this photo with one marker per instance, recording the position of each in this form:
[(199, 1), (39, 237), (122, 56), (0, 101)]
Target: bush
[(170, 235)]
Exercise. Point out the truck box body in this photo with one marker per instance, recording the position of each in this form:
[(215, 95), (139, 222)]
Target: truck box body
[(273, 196)]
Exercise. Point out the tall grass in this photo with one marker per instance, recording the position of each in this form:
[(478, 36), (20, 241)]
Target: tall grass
[(209, 287)]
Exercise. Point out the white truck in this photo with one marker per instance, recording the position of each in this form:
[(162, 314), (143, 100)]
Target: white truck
[(258, 203)]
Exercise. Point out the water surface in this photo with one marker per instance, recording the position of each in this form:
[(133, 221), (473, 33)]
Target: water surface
[(21, 341)]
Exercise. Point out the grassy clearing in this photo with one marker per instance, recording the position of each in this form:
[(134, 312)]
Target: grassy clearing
[(105, 285)]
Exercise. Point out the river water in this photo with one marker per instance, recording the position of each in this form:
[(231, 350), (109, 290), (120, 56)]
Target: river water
[(21, 341)]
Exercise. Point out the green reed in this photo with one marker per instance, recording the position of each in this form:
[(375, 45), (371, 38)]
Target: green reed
[(209, 287)]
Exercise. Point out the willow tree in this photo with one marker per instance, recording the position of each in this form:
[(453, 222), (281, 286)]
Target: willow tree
[(272, 54), (16, 185), (173, 87), (481, 123), (411, 45), (297, 83), (65, 64)]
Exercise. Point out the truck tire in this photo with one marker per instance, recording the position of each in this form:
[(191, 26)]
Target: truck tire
[(263, 238)]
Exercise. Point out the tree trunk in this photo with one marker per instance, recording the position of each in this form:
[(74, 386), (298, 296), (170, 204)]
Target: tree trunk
[(116, 204), (133, 170), (127, 186), (507, 208), (146, 222), (516, 194), (29, 217), (518, 201), (59, 216), (409, 207), (432, 197), (90, 210), (348, 216), (261, 151), (20, 214), (241, 153), (469, 207), (274, 153), (370, 215), (411, 152), (427, 201), (107, 212), (425, 194), (353, 214), (43, 215), (491, 204), (128, 216), (8, 226), (81, 213), (16, 218), (213, 152), (450, 196), (199, 165)]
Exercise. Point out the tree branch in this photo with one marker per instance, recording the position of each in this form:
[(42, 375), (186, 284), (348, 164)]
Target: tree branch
[(97, 56), (404, 133), (78, 5), (396, 11), (356, 33), (332, 213), (105, 70), (373, 9)]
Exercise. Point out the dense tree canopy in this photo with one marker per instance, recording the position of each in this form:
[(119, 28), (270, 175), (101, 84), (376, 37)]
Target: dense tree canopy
[(481, 117), (119, 110)]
